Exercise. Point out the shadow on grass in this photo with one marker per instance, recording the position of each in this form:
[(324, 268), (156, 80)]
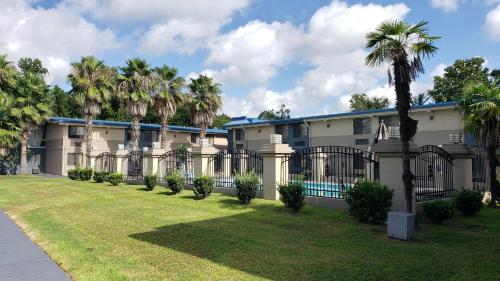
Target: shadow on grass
[(168, 193), (144, 189)]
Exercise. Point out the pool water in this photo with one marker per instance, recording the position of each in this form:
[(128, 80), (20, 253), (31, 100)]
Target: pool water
[(325, 189)]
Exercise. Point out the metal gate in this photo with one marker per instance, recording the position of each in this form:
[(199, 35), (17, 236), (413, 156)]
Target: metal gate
[(104, 162), (433, 169), (479, 169), (328, 171), (228, 163), (176, 160), (134, 165)]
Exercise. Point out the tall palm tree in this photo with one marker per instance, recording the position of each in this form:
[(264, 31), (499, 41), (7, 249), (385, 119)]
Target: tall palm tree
[(31, 103), (168, 95), (403, 46), (135, 85), (205, 101), (8, 131), (93, 83), (480, 105), (8, 74)]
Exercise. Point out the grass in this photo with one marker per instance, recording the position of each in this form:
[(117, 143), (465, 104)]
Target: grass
[(98, 232)]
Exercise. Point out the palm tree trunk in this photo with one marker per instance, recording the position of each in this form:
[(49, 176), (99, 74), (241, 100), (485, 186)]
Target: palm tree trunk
[(492, 162), (203, 133), (89, 126), (135, 134), (407, 126), (163, 133), (24, 152)]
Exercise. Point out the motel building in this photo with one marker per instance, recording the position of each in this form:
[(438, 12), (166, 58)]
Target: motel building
[(59, 144)]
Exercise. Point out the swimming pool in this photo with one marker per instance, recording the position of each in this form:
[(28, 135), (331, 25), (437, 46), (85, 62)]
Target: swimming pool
[(325, 189)]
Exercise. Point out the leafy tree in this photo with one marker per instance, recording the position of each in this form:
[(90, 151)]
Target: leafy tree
[(280, 114), (360, 102), (205, 101), (31, 105), (64, 103), (8, 76), (220, 120), (93, 84), (495, 74), (456, 77), (168, 95), (8, 131), (480, 105), (135, 85), (403, 46), (420, 99), (182, 116), (114, 111)]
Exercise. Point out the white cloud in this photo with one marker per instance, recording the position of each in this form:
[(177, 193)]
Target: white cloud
[(56, 36), (446, 5), (492, 23), (438, 70)]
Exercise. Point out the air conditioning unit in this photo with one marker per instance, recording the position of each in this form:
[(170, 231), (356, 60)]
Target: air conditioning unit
[(156, 145), (121, 147), (35, 171)]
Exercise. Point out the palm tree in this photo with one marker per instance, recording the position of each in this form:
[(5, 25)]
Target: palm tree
[(135, 84), (480, 105), (8, 131), (93, 84), (31, 104), (205, 102), (8, 74), (167, 97), (404, 46)]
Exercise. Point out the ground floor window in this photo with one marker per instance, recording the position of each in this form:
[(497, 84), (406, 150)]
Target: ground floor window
[(74, 159)]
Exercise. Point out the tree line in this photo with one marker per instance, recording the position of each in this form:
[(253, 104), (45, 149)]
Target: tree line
[(134, 92)]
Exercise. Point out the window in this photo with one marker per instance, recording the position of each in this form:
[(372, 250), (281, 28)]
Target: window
[(239, 134), (239, 146), (279, 129), (300, 143), (299, 130), (150, 137), (193, 138), (74, 159), (75, 132), (361, 141), (362, 126), (389, 120)]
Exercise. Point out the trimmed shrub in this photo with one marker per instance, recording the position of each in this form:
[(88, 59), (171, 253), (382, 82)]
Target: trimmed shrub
[(369, 201), (247, 185), (100, 177), (175, 182), (115, 178), (150, 181), (203, 186), (86, 174), (292, 195), (74, 174), (469, 202), (439, 210)]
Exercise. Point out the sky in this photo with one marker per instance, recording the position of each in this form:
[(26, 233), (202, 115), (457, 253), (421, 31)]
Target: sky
[(307, 54)]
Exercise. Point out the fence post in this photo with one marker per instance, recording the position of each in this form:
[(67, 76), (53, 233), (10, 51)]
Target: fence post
[(390, 159), (119, 154), (92, 157), (151, 156), (273, 154), (462, 165), (200, 156)]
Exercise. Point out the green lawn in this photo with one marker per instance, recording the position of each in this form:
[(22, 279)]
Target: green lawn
[(98, 232)]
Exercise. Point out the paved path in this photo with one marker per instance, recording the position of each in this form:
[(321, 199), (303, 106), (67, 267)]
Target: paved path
[(23, 260)]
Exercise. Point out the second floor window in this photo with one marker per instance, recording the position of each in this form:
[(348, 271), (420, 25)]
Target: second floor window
[(239, 134), (193, 138), (299, 130), (362, 126), (76, 132)]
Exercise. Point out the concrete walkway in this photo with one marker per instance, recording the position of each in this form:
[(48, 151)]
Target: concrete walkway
[(23, 260)]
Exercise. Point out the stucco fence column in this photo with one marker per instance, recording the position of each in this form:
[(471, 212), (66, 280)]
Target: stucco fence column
[(118, 163), (200, 156), (462, 165), (390, 159), (273, 154), (92, 157), (151, 157)]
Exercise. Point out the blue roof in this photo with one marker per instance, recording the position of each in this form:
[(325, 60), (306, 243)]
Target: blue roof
[(79, 121), (244, 121)]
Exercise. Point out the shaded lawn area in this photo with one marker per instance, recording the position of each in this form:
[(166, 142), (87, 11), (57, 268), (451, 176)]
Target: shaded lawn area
[(99, 232)]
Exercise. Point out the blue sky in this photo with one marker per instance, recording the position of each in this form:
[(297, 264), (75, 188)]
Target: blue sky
[(306, 54)]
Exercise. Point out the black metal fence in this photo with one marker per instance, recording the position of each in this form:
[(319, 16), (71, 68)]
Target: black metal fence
[(328, 171), (479, 169), (433, 169), (228, 163), (134, 160), (179, 160), (104, 162)]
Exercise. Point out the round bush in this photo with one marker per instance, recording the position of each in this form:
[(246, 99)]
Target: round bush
[(469, 202), (175, 182), (150, 181), (203, 186), (115, 178), (247, 187), (369, 201), (292, 195), (85, 174), (100, 177), (74, 174), (439, 210)]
